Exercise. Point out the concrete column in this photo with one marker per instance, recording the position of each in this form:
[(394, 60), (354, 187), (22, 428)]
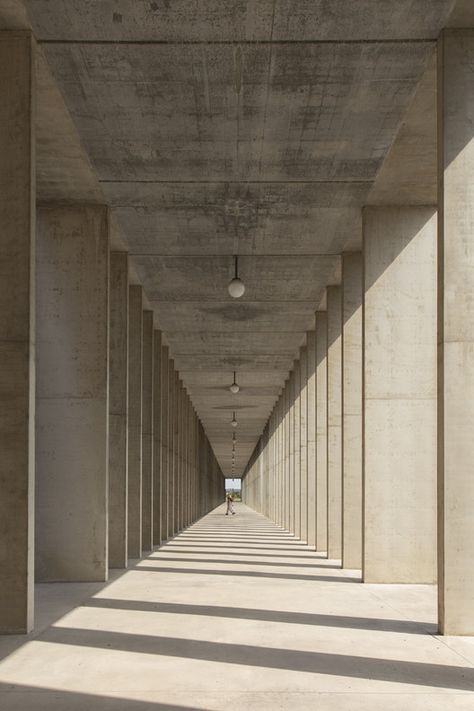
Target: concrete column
[(334, 423), (352, 410), (135, 376), (399, 395), (72, 394), (296, 450), (118, 410), (17, 337), (321, 431), (291, 453), (147, 431), (311, 435), (171, 445), (157, 433), (456, 333), (164, 460), (304, 442), (287, 452)]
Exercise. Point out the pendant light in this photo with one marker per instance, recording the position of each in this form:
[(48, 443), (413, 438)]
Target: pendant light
[(234, 388), (236, 286), (233, 422)]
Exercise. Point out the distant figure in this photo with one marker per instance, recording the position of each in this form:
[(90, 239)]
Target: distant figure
[(230, 505)]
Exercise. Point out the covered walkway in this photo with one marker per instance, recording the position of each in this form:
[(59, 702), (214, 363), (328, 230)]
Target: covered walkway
[(236, 613)]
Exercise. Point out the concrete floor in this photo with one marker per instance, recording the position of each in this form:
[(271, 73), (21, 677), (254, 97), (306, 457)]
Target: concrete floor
[(234, 613)]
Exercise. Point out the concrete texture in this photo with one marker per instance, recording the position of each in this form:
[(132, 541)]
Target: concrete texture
[(17, 332), (311, 413), (455, 334), (164, 441), (147, 431), (135, 414), (157, 435), (304, 443), (118, 410), (72, 270), (399, 395), (285, 629), (334, 421), (204, 149), (321, 433), (352, 421)]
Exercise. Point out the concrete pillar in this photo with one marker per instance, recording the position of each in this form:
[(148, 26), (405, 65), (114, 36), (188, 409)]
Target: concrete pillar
[(118, 410), (135, 376), (399, 395), (321, 431), (171, 445), (296, 450), (352, 410), (304, 443), (334, 423), (311, 435), (17, 337), (291, 454), (164, 461), (72, 394), (456, 333), (147, 431), (157, 433), (287, 453)]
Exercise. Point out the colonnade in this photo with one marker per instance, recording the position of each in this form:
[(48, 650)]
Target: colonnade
[(368, 454), (102, 455)]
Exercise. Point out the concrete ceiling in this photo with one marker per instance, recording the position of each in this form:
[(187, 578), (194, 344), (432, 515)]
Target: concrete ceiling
[(250, 127)]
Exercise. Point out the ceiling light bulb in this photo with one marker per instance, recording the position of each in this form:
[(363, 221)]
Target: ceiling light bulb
[(234, 388), (236, 286), (233, 421)]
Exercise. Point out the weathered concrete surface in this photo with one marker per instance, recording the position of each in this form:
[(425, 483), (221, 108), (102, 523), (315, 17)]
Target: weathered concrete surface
[(352, 421), (304, 443), (321, 432), (334, 421), (118, 410), (456, 334), (17, 332), (165, 373), (135, 414), (147, 431), (72, 393), (399, 395), (311, 438), (258, 644), (157, 434)]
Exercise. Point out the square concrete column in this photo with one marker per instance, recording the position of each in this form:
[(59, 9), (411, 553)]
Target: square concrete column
[(311, 434), (334, 422), (147, 431), (321, 432), (157, 432), (291, 453), (296, 451), (304, 443), (164, 461), (352, 410), (171, 445), (399, 395), (72, 393), (17, 326), (135, 377), (456, 332), (118, 410)]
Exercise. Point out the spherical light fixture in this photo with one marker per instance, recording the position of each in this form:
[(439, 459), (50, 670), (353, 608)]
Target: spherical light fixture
[(233, 422), (236, 286), (234, 388)]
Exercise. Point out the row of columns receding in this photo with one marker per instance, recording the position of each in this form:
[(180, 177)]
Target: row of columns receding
[(369, 452), (102, 455)]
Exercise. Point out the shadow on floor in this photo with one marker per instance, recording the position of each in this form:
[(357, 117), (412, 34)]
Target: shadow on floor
[(249, 562), (18, 697), (346, 665), (247, 574), (243, 613), (192, 550)]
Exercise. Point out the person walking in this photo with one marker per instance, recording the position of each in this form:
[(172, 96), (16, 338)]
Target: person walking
[(230, 505)]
